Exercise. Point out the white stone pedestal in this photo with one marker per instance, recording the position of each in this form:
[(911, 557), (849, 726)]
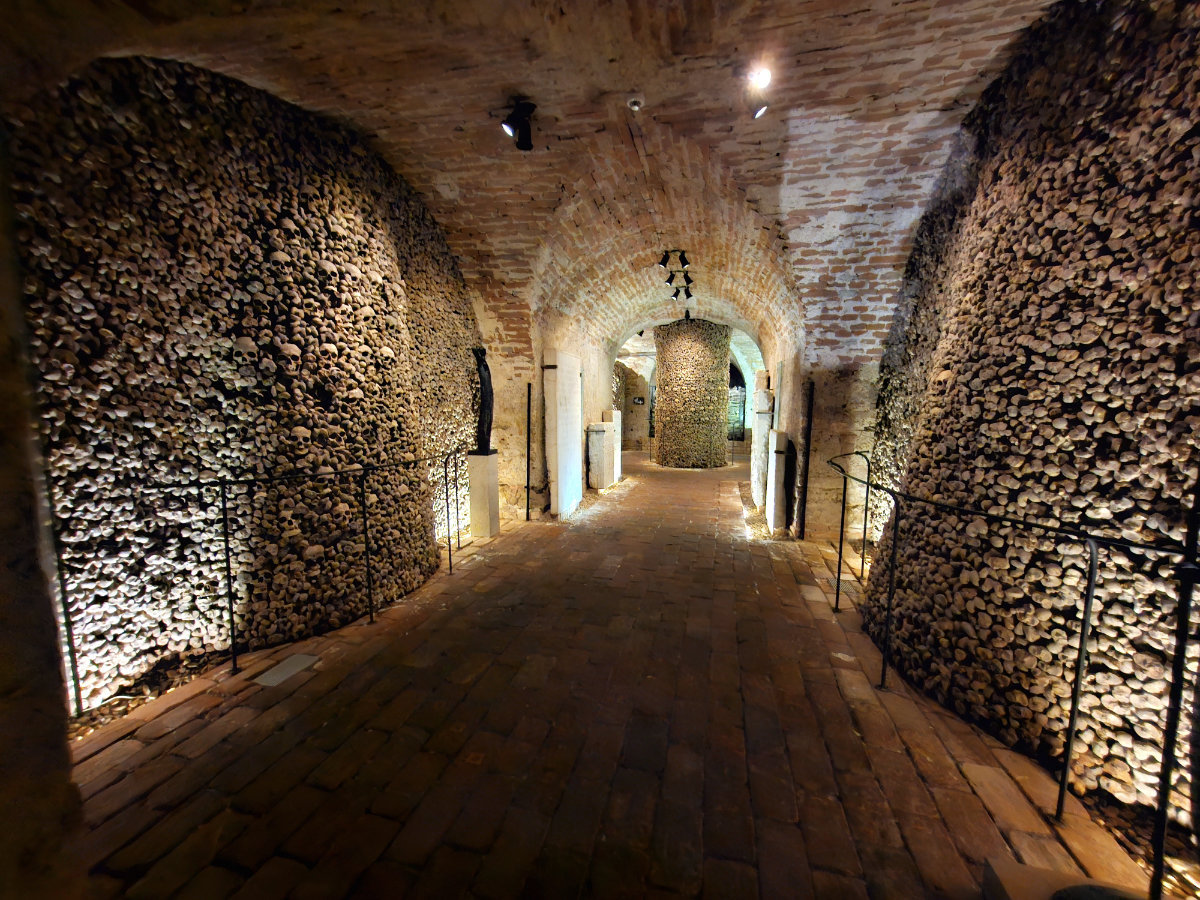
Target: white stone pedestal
[(601, 447), (776, 460), (483, 481), (614, 416)]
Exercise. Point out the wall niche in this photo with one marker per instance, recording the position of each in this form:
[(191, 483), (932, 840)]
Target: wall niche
[(220, 285)]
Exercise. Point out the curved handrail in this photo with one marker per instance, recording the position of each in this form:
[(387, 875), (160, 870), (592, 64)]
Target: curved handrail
[(1187, 573), (1175, 547), (272, 478), (361, 471)]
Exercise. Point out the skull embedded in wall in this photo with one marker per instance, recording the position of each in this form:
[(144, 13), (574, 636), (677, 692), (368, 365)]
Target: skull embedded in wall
[(289, 358), (302, 441), (245, 353)]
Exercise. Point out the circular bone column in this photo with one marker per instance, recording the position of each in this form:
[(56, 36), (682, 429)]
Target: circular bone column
[(692, 399)]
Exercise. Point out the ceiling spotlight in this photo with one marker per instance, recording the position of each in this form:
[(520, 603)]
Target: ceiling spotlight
[(687, 293), (759, 108), (666, 258), (683, 262), (759, 78), (517, 126), (687, 279), (671, 278), (675, 296)]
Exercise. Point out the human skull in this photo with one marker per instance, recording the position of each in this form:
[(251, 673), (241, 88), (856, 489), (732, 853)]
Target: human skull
[(245, 352), (290, 357), (303, 440)]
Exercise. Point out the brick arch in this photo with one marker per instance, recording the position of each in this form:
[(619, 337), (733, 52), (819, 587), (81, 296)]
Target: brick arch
[(646, 190)]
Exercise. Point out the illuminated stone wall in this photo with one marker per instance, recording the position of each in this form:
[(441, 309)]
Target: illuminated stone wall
[(1046, 365), (221, 285)]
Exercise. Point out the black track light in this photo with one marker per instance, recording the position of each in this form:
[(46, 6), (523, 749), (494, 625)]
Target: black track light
[(687, 293), (683, 262), (666, 258), (517, 125), (671, 278), (687, 279), (675, 296), (687, 315)]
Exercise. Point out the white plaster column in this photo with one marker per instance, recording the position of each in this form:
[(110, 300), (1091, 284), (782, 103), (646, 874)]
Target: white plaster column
[(776, 459), (564, 431), (614, 416), (764, 407)]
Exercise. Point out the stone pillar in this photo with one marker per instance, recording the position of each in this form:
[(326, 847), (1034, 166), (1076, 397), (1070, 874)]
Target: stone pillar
[(691, 417), (614, 416), (775, 500), (764, 408), (601, 452), (483, 482)]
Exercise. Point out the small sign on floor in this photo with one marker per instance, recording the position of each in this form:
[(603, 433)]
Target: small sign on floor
[(279, 674)]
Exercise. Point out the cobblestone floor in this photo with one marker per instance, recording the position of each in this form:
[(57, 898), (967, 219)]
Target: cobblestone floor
[(646, 702)]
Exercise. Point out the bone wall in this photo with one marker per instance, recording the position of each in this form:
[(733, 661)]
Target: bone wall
[(220, 285), (1046, 364), (692, 400), (635, 417)]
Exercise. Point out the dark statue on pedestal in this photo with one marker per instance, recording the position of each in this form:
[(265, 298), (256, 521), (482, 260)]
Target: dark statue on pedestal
[(483, 431)]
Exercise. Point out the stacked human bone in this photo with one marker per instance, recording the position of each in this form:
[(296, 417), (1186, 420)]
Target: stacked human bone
[(692, 397), (223, 286), (619, 380), (1047, 367)]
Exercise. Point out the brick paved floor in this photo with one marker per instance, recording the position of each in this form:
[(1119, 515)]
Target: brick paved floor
[(644, 703)]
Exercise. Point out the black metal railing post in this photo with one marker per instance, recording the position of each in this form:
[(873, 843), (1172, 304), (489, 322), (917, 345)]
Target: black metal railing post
[(457, 513), (802, 499), (885, 650), (366, 531), (1187, 573), (862, 560), (528, 441), (1081, 660), (446, 484), (837, 592), (64, 600), (228, 575)]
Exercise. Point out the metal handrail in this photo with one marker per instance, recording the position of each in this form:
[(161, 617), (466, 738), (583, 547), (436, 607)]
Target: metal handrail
[(359, 471), (1187, 573)]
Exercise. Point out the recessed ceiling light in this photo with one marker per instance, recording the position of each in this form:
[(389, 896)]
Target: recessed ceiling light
[(759, 78)]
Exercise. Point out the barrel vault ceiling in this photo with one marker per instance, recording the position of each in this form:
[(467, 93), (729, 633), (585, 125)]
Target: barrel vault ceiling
[(797, 224)]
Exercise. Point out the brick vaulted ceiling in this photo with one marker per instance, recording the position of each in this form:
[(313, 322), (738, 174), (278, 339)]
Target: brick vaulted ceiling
[(798, 224)]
